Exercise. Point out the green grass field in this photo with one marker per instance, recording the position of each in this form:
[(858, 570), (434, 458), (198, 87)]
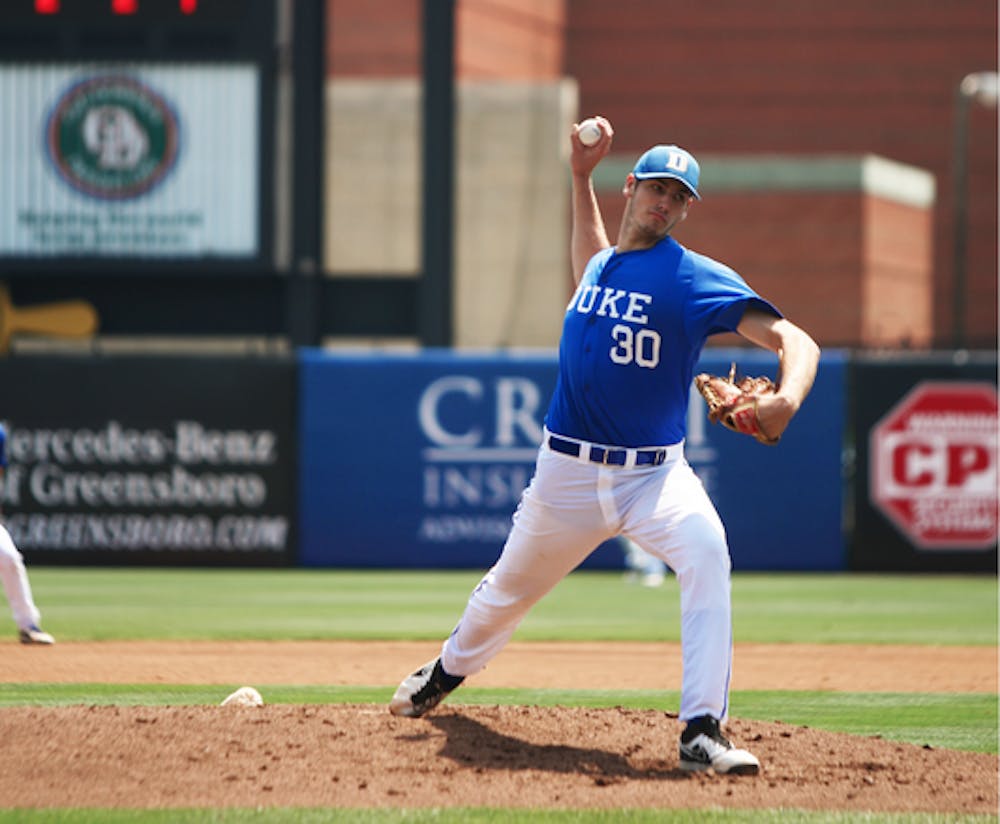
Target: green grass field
[(114, 604), (106, 604)]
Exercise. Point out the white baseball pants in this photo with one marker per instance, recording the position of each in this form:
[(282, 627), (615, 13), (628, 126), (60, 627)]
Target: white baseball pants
[(15, 583), (572, 506)]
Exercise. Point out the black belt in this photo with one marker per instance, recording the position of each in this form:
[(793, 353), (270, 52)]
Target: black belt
[(613, 457)]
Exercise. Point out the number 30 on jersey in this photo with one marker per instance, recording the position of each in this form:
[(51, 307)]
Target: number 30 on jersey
[(638, 346)]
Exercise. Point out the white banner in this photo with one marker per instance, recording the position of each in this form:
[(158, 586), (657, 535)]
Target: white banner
[(133, 160)]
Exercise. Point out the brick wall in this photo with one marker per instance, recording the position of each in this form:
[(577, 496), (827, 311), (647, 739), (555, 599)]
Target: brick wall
[(498, 39), (373, 38), (511, 39), (896, 295)]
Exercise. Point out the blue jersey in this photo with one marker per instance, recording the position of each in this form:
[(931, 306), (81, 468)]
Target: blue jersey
[(3, 446), (632, 335)]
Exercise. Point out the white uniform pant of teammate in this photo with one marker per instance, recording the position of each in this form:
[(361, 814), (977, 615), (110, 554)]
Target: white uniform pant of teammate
[(570, 508), (15, 583)]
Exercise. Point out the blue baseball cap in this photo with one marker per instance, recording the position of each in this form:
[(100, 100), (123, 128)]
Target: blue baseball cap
[(669, 161)]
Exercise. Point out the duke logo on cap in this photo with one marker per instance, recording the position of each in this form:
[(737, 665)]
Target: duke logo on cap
[(669, 161)]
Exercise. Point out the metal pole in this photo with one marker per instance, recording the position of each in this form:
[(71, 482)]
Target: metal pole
[(301, 69), (435, 316), (284, 135), (981, 87), (960, 212)]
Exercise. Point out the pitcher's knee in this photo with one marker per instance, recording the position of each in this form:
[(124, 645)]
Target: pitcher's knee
[(706, 578)]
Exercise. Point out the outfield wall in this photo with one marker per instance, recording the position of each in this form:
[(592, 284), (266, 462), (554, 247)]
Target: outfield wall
[(419, 461), (132, 460), (333, 459)]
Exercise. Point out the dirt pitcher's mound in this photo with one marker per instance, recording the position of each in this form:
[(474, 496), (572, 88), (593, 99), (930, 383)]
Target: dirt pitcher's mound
[(345, 756)]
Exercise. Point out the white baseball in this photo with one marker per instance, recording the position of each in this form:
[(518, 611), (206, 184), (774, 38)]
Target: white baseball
[(590, 132), (244, 697)]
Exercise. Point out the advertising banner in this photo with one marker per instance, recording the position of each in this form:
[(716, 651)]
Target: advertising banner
[(419, 461), (150, 460), (416, 461), (927, 482), (129, 160)]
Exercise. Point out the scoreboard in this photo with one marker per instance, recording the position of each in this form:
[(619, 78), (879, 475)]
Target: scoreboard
[(137, 134), (220, 29)]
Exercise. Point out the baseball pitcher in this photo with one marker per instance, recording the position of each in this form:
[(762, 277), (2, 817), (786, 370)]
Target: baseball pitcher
[(612, 459)]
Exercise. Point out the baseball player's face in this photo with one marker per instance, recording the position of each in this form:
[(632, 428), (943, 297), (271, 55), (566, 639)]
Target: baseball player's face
[(655, 206)]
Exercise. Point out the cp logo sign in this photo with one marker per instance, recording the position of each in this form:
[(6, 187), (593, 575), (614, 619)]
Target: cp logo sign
[(934, 465)]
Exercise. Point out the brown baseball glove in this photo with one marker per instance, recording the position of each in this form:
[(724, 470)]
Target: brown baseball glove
[(734, 403)]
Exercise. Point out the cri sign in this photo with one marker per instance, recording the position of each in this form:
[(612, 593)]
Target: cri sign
[(934, 465)]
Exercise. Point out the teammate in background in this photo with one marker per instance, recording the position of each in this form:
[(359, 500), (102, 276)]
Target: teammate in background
[(640, 566), (612, 458), (15, 578)]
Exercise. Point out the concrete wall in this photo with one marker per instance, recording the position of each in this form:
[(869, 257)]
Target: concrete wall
[(511, 255)]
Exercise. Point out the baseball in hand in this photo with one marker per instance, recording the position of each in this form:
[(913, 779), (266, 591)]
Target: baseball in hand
[(590, 132)]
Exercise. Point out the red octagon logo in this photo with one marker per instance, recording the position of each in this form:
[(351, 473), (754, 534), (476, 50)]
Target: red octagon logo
[(934, 465)]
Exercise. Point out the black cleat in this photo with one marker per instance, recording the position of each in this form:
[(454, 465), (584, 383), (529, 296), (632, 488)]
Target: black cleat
[(424, 690)]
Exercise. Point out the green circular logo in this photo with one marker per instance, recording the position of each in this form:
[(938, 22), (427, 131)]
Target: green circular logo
[(112, 137)]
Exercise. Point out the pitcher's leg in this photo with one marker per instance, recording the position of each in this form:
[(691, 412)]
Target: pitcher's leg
[(555, 528), (706, 627), (540, 551), (676, 521)]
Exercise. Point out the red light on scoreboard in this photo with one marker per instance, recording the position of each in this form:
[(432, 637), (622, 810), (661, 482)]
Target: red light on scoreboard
[(116, 6)]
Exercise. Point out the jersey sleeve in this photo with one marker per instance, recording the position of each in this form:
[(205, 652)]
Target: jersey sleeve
[(718, 297)]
